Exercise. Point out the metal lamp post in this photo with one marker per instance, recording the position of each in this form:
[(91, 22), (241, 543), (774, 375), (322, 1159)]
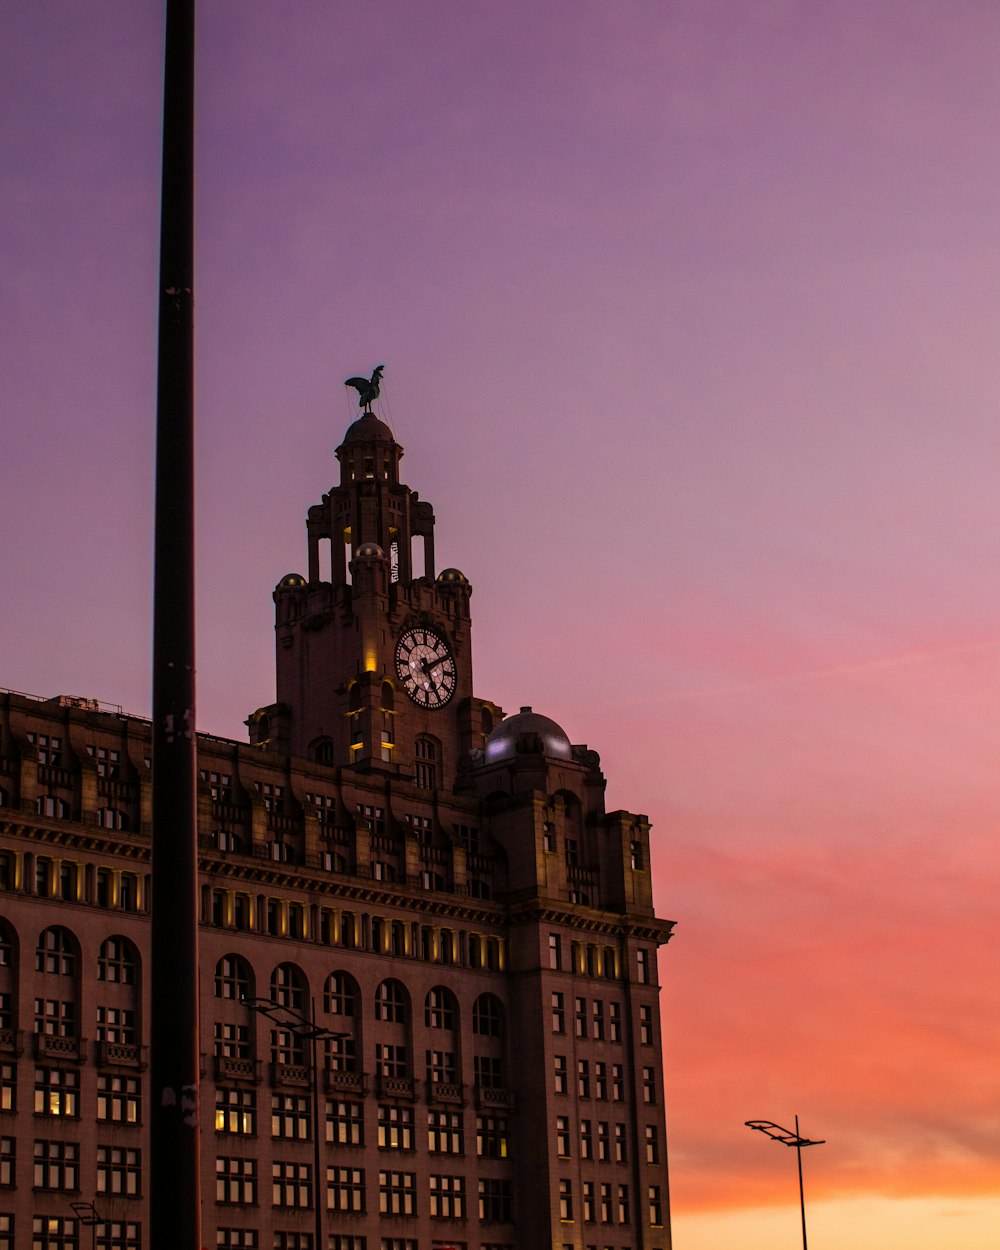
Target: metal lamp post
[(788, 1138), (307, 1028)]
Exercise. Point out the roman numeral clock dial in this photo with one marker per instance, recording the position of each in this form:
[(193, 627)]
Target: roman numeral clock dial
[(425, 667)]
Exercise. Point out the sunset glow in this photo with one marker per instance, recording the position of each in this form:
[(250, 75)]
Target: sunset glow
[(690, 316)]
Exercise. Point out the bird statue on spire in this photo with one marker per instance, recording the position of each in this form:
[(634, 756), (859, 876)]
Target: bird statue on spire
[(367, 388)]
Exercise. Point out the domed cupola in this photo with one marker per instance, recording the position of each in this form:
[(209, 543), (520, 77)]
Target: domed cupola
[(527, 733)]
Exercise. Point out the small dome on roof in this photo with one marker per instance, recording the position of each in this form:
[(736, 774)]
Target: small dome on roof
[(528, 731), (291, 579), (369, 551), (368, 428), (451, 575)]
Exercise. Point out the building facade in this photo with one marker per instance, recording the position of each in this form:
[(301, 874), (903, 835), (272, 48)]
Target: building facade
[(429, 994)]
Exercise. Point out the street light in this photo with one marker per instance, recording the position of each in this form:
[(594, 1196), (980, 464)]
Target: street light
[(787, 1138), (306, 1028), (86, 1213)]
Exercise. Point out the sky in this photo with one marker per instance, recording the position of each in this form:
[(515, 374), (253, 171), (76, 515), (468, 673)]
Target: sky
[(689, 312)]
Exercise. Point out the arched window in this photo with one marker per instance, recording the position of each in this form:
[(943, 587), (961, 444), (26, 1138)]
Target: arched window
[(112, 818), (388, 697), (52, 806), (118, 961), (56, 952), (440, 1009), (233, 978), (487, 1016), (322, 751), (340, 995), (428, 758), (288, 987), (390, 1002), (7, 948)]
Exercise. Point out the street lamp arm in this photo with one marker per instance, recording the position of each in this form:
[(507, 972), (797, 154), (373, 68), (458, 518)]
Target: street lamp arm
[(784, 1135)]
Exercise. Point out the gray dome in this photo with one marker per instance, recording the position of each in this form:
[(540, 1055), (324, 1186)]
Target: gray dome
[(528, 731), (369, 551), (368, 428)]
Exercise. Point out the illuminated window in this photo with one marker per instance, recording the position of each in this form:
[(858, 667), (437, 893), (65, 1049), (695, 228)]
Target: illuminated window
[(345, 1123), (290, 1116), (57, 1166), (118, 1098), (57, 1092), (395, 1127), (236, 1181), (566, 1200), (444, 1132), (291, 1184), (236, 1111), (345, 1190), (447, 1197), (492, 1136), (8, 1087)]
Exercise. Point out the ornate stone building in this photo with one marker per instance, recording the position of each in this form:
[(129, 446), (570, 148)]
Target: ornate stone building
[(438, 887)]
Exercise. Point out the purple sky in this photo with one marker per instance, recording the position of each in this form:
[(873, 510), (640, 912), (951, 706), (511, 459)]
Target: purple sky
[(690, 315)]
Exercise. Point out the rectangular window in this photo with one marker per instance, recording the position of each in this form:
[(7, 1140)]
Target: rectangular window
[(284, 1240), (55, 1017), (291, 1184), (491, 1136), (606, 1209), (236, 1111), (447, 1197), (652, 1144), (655, 1206), (600, 1080), (119, 1170), (617, 1082), (598, 1020), (624, 1216), (558, 1012), (642, 964), (53, 1232), (290, 1117), (495, 1203), (345, 1190), (561, 1075), (390, 1060), (646, 1025), (118, 1098), (8, 1159), (562, 1136), (395, 1127), (6, 1232), (347, 1241), (555, 951), (621, 1146), (566, 1201), (444, 1132), (441, 1067), (235, 1181), (118, 1235), (116, 1025), (614, 1022), (397, 1193), (8, 1087), (603, 1141), (583, 1078), (649, 1087), (236, 1239), (57, 1165), (586, 1140), (488, 1071), (232, 1041), (345, 1123), (57, 1092), (581, 1017), (588, 1204)]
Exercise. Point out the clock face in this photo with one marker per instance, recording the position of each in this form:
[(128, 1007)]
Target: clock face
[(426, 667)]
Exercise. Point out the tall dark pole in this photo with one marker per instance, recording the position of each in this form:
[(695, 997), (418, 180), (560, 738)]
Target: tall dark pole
[(802, 1194), (175, 1204)]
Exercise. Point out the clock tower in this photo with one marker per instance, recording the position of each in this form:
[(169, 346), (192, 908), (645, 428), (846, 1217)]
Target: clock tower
[(374, 651)]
